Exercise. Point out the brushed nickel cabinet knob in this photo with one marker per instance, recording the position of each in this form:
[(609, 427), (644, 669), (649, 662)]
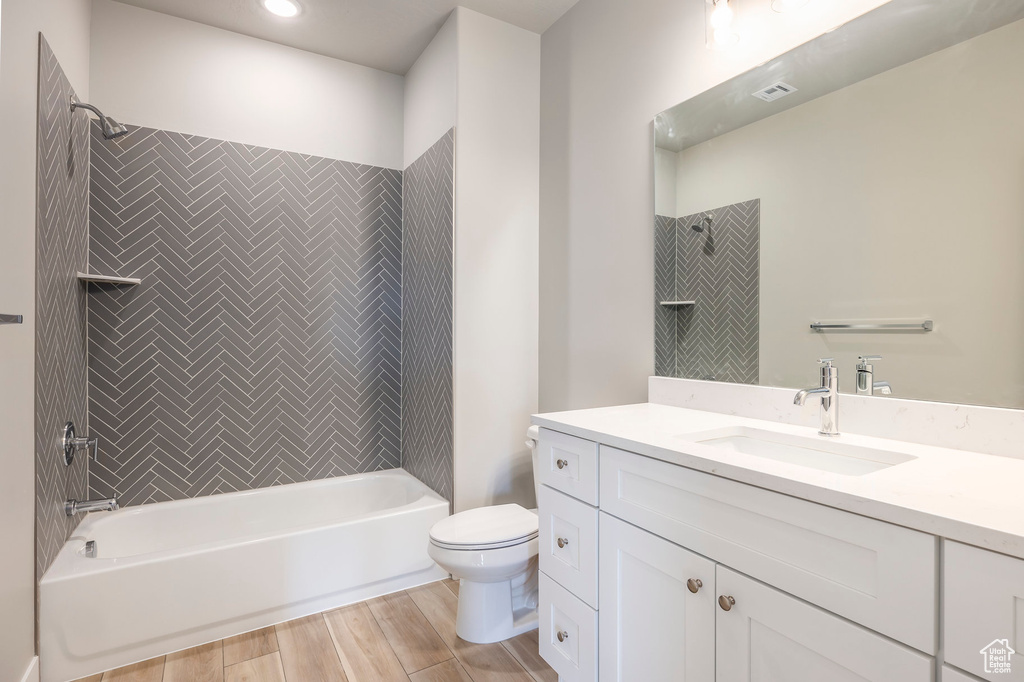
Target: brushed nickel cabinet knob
[(562, 542), (694, 584), (562, 463), (726, 602), (562, 635)]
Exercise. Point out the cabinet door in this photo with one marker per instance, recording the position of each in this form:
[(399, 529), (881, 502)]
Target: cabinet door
[(984, 614), (766, 635), (652, 626)]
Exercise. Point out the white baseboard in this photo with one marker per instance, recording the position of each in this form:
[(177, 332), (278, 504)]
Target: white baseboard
[(32, 673)]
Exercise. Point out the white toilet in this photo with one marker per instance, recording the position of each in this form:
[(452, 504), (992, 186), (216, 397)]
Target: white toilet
[(493, 553)]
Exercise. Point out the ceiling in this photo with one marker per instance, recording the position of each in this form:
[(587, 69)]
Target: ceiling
[(382, 34)]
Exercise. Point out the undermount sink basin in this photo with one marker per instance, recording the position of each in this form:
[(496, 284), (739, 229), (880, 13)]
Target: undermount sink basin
[(814, 453)]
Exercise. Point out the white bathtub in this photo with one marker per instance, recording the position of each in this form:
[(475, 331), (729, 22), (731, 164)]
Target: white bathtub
[(178, 574)]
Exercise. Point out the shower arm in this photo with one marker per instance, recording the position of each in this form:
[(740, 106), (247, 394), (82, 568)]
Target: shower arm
[(83, 105)]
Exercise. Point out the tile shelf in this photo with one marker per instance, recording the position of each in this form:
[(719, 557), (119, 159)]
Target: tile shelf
[(107, 279), (676, 304)]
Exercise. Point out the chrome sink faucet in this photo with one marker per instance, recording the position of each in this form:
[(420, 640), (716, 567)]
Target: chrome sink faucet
[(829, 393), (866, 384)]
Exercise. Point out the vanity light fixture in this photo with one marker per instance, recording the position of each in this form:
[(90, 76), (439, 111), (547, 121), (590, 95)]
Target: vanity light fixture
[(282, 8), (783, 6), (721, 24)]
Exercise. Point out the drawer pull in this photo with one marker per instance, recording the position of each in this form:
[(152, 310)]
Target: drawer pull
[(726, 602), (562, 542), (562, 463), (562, 635), (694, 584)]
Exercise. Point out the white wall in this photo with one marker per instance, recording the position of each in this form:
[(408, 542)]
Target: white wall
[(914, 204), (665, 182), (65, 24), (608, 67), (496, 272), (430, 92), (159, 71)]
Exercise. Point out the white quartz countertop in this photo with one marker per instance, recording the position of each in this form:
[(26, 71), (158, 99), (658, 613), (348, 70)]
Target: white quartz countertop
[(973, 498)]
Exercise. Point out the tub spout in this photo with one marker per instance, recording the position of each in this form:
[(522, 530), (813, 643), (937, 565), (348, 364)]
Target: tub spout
[(72, 507)]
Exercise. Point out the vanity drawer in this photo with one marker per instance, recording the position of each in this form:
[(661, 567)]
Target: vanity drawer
[(569, 464), (874, 573), (983, 593), (574, 657), (573, 565)]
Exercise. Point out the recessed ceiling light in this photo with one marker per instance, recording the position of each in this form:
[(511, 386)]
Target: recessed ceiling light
[(282, 8)]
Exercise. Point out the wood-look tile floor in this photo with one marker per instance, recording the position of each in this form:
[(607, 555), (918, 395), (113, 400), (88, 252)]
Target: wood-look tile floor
[(403, 637)]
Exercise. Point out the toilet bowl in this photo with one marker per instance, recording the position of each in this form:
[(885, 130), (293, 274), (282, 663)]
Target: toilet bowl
[(493, 553)]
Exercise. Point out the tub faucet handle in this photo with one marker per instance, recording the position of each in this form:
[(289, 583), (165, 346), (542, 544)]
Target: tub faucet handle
[(72, 443)]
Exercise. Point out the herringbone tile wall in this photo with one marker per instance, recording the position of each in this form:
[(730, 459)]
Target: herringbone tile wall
[(264, 344), (665, 318), (717, 338), (428, 262), (62, 212)]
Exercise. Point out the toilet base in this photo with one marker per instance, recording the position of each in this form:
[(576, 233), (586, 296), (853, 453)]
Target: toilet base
[(494, 612)]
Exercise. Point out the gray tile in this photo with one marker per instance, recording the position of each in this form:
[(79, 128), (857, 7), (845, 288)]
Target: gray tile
[(665, 318), (719, 269), (262, 346), (428, 255), (61, 251)]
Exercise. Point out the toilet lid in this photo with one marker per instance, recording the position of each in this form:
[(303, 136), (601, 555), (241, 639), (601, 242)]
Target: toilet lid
[(500, 524)]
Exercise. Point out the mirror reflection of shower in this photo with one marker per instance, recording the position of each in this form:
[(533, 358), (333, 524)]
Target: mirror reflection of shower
[(705, 224), (111, 128)]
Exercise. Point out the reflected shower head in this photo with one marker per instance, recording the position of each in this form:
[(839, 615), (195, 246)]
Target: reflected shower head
[(111, 128)]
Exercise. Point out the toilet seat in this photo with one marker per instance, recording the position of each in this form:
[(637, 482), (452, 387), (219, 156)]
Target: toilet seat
[(484, 528)]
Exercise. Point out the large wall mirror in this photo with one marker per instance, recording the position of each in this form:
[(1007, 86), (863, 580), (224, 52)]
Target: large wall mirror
[(861, 195)]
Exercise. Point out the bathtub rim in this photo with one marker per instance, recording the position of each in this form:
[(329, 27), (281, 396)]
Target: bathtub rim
[(70, 564)]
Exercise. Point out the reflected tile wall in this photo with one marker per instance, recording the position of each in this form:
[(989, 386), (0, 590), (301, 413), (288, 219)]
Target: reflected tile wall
[(719, 269)]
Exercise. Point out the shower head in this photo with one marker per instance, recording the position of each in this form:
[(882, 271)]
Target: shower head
[(111, 128), (699, 227)]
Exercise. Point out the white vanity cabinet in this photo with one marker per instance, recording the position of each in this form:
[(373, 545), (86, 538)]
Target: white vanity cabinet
[(666, 573)]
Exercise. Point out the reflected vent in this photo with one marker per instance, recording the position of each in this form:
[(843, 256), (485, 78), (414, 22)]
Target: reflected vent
[(775, 91)]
